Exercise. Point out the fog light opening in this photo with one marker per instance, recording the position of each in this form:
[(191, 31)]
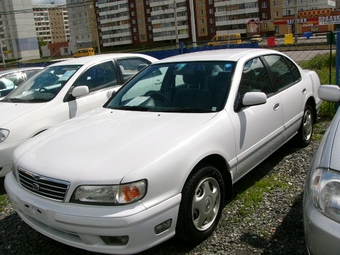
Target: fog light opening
[(115, 240), (163, 226)]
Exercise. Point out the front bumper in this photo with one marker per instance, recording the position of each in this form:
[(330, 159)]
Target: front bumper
[(84, 226), (322, 234)]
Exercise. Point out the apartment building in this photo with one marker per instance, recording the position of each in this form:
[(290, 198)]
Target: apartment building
[(18, 38), (51, 23), (83, 24)]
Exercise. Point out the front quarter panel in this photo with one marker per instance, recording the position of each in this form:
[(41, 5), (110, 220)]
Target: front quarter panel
[(170, 167)]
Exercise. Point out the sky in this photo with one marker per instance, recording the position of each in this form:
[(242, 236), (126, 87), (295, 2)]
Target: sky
[(48, 1)]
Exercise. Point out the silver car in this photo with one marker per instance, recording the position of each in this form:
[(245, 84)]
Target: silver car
[(322, 190)]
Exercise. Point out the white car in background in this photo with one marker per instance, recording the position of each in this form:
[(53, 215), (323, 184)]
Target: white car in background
[(12, 78), (60, 92), (161, 157)]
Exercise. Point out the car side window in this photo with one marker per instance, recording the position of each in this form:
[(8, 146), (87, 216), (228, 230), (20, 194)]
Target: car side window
[(255, 78), (283, 76), (294, 69), (131, 66), (98, 77)]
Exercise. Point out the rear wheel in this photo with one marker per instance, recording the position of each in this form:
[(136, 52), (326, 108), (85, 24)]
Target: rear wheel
[(304, 136), (201, 205)]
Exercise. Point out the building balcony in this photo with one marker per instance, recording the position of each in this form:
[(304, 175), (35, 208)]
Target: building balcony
[(121, 10), (172, 28), (154, 3), (235, 12), (168, 20), (109, 28), (232, 22), (118, 35), (110, 44), (170, 37), (222, 3), (105, 21)]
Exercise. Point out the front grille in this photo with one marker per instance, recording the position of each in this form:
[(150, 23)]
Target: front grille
[(43, 186)]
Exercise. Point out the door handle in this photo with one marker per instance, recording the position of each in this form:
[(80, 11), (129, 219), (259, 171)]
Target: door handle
[(276, 106), (304, 91)]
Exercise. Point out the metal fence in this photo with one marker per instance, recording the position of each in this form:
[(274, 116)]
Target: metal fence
[(311, 50)]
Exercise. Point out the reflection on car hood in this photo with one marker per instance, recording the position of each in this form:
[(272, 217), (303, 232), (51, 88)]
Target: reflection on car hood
[(106, 143), (12, 111)]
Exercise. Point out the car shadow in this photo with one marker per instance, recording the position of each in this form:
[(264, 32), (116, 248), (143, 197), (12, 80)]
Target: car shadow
[(264, 168), (288, 237)]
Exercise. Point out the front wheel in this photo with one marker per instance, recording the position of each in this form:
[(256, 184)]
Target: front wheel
[(304, 135), (201, 205)]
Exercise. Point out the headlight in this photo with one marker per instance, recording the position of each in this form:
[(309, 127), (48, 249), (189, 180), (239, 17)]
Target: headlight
[(325, 191), (110, 194), (3, 134)]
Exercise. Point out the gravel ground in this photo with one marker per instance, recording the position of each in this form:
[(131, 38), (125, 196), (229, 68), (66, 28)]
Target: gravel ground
[(271, 226)]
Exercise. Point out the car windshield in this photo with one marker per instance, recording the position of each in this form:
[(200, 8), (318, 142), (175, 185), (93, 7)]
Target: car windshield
[(44, 86), (177, 87)]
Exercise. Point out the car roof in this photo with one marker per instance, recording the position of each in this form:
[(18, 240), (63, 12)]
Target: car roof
[(219, 55), (13, 70), (101, 57)]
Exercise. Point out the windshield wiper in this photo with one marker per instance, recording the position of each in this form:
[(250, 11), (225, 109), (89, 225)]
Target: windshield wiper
[(133, 108), (15, 100), (189, 109)]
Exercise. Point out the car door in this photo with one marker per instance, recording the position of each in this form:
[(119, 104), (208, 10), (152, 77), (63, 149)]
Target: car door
[(287, 79), (258, 129), (101, 79)]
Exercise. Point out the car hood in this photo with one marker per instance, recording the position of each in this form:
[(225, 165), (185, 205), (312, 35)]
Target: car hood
[(12, 111), (105, 145)]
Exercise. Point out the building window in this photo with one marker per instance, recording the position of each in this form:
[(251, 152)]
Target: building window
[(264, 15), (264, 5), (288, 12), (277, 30), (276, 14)]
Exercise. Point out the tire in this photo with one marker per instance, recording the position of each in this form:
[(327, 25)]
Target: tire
[(201, 206), (304, 135)]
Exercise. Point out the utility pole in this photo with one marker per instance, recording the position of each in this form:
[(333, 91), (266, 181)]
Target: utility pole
[(296, 21), (176, 25)]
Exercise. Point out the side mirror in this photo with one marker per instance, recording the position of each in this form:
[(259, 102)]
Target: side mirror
[(254, 98), (80, 91), (329, 93), (250, 99), (110, 94)]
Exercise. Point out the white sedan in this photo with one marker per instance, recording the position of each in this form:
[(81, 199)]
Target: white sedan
[(161, 157), (60, 92)]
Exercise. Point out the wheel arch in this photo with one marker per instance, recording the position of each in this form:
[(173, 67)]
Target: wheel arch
[(222, 166), (312, 103)]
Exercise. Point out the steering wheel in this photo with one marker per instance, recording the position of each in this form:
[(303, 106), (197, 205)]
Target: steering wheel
[(158, 97)]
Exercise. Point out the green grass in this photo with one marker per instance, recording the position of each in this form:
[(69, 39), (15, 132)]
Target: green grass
[(251, 197), (3, 202)]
